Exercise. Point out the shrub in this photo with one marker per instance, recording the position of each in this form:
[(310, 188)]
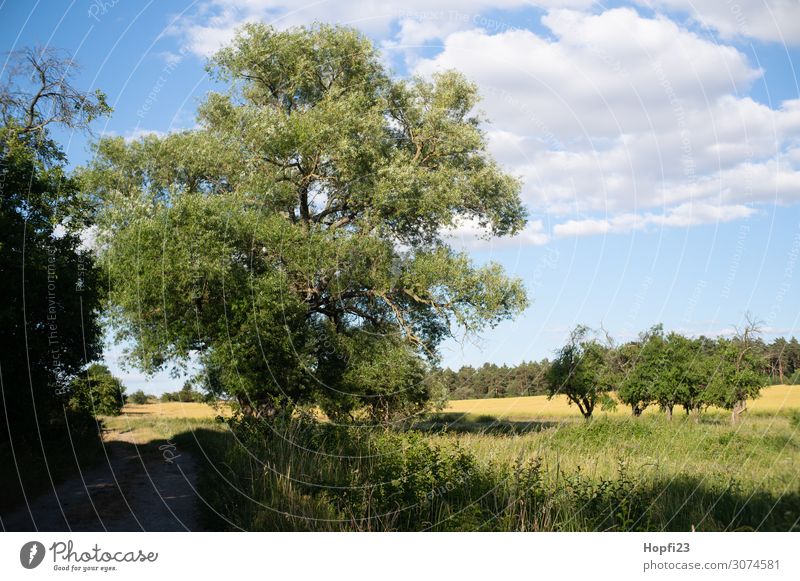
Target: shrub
[(138, 397), (97, 391)]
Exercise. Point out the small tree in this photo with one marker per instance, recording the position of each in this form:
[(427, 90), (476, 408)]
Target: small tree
[(580, 371), (690, 369), (138, 397), (97, 391), (738, 376), (641, 370)]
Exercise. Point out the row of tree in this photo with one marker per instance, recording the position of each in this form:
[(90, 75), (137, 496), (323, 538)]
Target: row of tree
[(778, 360), (665, 370), (490, 380), (186, 394)]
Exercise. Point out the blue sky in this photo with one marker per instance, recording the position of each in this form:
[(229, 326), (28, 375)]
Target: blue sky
[(659, 140)]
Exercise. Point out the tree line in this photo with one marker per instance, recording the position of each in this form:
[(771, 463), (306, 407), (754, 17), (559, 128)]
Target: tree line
[(658, 369), (491, 380)]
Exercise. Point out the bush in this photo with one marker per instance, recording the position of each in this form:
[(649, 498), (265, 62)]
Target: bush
[(97, 392), (186, 394), (138, 397)]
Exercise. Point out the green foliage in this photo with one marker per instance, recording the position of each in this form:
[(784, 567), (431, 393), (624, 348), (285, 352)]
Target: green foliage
[(295, 241), (138, 397), (656, 369), (665, 370), (187, 393), (737, 375), (490, 380), (582, 372), (50, 294), (97, 391), (782, 360)]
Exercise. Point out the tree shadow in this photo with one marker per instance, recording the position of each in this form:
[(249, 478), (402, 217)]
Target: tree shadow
[(453, 422), (131, 487), (686, 503)]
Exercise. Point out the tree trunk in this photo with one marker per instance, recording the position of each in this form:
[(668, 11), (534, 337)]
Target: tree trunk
[(636, 411), (738, 408), (668, 409)]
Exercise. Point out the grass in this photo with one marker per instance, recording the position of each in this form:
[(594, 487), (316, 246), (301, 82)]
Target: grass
[(608, 474), (158, 421), (507, 464), (174, 409), (517, 464)]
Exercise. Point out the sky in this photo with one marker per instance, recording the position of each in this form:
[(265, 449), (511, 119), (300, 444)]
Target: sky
[(658, 141)]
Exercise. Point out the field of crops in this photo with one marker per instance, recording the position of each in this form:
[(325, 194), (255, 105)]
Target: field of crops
[(172, 409), (773, 399)]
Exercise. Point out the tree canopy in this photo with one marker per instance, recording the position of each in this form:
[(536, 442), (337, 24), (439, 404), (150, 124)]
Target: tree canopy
[(581, 371)]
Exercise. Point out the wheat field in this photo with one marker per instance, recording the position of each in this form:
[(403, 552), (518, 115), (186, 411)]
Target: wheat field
[(773, 400)]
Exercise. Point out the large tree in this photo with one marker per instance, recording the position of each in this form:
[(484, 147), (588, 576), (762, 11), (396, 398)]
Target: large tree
[(296, 240), (50, 292)]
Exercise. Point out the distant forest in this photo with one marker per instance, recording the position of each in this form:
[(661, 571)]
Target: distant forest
[(781, 360)]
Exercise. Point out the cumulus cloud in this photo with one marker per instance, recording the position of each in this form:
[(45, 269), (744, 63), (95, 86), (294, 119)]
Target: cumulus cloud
[(689, 214), (633, 118), (766, 20), (470, 236), (602, 75), (418, 21)]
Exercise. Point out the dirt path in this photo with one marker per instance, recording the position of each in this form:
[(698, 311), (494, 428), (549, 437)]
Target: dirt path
[(135, 488)]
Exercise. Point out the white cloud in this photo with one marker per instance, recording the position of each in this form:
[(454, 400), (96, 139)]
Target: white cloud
[(602, 75), (469, 236), (419, 21), (689, 214), (766, 20), (140, 132), (632, 118)]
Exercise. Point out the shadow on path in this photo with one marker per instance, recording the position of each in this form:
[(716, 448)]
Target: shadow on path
[(135, 488)]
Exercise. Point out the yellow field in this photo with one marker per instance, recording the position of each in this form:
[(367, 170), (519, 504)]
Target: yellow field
[(773, 399), (173, 409), (159, 421)]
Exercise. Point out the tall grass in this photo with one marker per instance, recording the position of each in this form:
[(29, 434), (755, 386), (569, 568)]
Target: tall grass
[(609, 475)]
